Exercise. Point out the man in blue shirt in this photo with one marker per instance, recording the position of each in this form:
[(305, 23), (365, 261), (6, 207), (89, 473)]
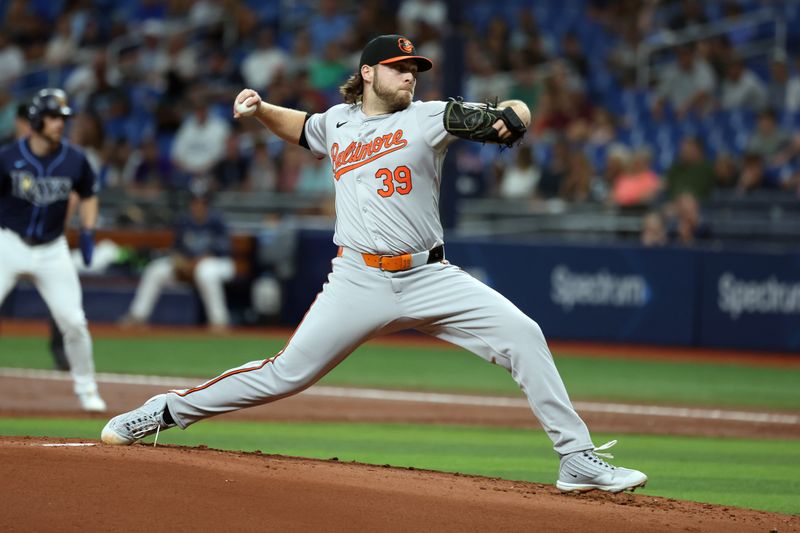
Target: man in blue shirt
[(37, 175), (201, 255)]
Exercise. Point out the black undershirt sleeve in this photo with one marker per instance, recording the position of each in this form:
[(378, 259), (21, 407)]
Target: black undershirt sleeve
[(303, 141)]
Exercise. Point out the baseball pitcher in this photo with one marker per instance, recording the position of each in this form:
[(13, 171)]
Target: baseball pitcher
[(390, 273), (37, 174)]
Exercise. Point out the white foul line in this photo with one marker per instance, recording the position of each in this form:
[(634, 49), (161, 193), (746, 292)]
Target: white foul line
[(435, 397)]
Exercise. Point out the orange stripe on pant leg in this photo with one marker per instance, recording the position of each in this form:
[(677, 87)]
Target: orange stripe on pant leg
[(259, 367)]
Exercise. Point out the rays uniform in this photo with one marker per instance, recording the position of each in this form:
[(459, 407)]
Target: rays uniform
[(34, 192)]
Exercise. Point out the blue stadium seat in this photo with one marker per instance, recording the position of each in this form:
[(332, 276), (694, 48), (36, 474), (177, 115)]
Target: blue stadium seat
[(597, 156), (543, 153), (789, 120)]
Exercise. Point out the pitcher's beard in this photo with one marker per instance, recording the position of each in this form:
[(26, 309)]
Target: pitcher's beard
[(394, 100)]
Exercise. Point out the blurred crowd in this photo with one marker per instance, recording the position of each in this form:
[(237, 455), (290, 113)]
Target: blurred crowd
[(153, 83)]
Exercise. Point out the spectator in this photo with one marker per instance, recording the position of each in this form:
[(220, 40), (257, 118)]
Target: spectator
[(433, 12), (618, 159), (377, 17), (555, 171), (718, 52), (562, 102), (622, 59), (521, 179), (62, 48), (291, 164), (206, 12), (526, 86), (779, 82), (638, 185), (12, 60), (688, 226), (316, 177), (302, 55), (574, 55), (261, 173), (497, 44), (484, 81), (576, 186), (306, 97), (230, 172), (82, 81), (602, 129), (218, 75), (687, 84), (329, 23), (200, 141), (752, 175), (9, 113), (261, 65), (768, 151), (182, 57), (691, 173), (654, 229), (793, 89), (152, 59), (741, 88), (688, 17), (769, 141), (147, 171), (87, 132), (115, 155), (329, 69), (201, 255), (726, 171), (792, 183)]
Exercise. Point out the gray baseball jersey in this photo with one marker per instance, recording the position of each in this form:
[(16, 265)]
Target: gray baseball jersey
[(387, 171)]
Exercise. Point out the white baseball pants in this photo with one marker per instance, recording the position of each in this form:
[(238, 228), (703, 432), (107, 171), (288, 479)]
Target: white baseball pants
[(210, 275), (359, 302), (50, 268)]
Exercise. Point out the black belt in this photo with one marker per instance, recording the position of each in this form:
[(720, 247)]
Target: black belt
[(33, 241), (436, 255)]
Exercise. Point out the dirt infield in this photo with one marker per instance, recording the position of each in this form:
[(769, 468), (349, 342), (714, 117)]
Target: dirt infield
[(141, 488), (170, 488)]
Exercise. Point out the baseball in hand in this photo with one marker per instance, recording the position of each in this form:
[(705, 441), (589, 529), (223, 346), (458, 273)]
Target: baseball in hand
[(245, 110)]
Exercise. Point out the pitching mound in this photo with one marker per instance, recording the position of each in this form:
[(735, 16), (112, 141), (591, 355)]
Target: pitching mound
[(54, 485)]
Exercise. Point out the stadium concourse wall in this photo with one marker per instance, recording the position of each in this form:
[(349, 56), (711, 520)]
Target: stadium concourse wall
[(606, 293)]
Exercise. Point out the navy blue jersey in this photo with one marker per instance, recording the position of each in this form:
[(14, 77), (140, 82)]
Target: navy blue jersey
[(195, 239), (34, 191)]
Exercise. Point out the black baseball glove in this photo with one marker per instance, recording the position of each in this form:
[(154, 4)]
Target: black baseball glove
[(474, 122)]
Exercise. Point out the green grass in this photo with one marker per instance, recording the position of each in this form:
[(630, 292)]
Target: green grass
[(445, 369), (759, 474)]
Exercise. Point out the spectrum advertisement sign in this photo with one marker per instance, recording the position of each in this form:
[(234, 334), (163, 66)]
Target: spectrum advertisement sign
[(751, 301), (602, 293)]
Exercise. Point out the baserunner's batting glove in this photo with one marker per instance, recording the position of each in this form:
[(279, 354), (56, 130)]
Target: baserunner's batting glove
[(86, 242)]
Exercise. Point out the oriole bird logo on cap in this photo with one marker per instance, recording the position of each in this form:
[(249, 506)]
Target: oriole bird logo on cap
[(405, 45)]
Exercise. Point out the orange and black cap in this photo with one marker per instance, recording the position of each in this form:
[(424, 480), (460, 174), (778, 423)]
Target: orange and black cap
[(390, 48)]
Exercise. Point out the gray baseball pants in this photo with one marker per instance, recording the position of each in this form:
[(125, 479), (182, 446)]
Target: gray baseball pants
[(360, 302)]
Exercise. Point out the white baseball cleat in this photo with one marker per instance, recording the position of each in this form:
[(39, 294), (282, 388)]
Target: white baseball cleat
[(91, 402), (129, 427), (586, 470)]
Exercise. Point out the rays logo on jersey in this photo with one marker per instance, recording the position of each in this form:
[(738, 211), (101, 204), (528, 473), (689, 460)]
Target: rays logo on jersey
[(42, 191)]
